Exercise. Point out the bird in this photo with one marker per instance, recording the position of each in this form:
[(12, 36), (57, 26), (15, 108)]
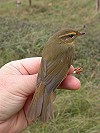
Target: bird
[(57, 57)]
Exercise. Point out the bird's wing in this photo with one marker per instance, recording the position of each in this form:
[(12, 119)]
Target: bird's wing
[(52, 72)]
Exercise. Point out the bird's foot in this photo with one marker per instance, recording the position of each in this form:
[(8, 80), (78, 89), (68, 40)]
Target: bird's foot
[(78, 70)]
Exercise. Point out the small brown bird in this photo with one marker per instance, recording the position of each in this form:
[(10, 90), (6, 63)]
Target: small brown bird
[(56, 60)]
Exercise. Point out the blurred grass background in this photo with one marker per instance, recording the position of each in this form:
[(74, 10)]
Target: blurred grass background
[(23, 32)]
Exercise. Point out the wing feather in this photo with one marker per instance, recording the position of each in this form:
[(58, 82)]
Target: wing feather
[(52, 72)]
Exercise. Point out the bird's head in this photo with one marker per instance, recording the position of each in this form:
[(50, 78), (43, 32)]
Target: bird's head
[(68, 36)]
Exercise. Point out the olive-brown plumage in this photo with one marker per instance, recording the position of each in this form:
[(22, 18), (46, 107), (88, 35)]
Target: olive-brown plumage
[(56, 60)]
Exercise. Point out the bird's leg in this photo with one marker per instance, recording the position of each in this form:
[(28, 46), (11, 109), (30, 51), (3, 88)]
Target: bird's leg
[(78, 70)]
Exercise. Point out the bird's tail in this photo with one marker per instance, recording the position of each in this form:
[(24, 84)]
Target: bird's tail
[(41, 105)]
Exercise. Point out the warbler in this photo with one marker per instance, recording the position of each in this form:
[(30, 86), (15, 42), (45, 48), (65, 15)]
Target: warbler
[(56, 60)]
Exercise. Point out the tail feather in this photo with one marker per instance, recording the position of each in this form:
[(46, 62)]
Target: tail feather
[(36, 104), (50, 109), (41, 105), (47, 110)]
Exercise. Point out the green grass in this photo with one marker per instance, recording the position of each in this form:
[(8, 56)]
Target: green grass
[(23, 33)]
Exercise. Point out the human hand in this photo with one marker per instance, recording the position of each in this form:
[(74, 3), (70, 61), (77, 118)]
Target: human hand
[(17, 85)]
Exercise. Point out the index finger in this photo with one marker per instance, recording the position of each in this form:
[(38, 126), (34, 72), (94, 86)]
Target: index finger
[(28, 66), (32, 65)]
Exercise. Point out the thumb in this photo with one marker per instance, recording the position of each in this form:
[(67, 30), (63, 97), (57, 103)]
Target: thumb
[(27, 84), (19, 84)]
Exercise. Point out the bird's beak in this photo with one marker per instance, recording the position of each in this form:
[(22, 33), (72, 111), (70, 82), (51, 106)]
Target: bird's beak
[(80, 33)]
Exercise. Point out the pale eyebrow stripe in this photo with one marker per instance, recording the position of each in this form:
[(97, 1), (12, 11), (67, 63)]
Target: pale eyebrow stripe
[(67, 34)]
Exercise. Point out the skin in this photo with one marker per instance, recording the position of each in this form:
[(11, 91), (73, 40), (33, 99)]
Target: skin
[(17, 85)]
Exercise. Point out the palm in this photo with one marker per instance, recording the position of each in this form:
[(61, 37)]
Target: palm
[(17, 84)]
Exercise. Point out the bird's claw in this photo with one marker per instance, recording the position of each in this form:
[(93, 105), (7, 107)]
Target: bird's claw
[(78, 70)]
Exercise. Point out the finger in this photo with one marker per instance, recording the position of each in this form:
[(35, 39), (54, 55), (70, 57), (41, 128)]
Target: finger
[(32, 65), (19, 84), (71, 70), (70, 83), (28, 66)]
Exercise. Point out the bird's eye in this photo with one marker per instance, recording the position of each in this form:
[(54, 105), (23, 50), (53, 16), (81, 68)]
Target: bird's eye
[(71, 35)]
